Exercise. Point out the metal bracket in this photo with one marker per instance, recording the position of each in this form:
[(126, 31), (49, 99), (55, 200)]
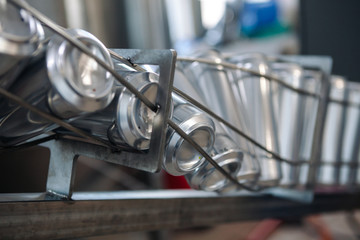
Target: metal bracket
[(165, 59), (62, 165), (64, 153)]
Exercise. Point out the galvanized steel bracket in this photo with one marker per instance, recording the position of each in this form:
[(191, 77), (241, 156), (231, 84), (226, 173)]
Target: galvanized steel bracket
[(65, 152)]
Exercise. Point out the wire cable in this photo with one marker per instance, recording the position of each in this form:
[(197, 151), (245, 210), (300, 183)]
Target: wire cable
[(207, 157), (54, 119), (232, 127), (252, 72)]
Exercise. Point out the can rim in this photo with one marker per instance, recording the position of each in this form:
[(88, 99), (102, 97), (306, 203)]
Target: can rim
[(61, 84), (126, 110), (175, 140), (198, 177), (13, 44)]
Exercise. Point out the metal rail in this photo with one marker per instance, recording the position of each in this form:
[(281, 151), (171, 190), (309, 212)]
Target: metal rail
[(126, 211)]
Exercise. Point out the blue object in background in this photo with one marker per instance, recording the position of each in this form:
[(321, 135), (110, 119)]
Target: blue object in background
[(258, 16)]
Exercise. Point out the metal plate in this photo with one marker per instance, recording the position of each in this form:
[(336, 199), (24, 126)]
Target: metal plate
[(149, 160), (165, 59)]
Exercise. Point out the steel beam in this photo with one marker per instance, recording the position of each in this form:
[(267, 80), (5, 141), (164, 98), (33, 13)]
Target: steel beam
[(107, 213)]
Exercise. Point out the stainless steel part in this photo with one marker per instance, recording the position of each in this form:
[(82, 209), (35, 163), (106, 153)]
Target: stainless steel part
[(180, 157), (256, 94), (20, 36), (57, 84), (250, 169)]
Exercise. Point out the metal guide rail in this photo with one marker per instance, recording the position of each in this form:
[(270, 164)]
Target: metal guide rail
[(274, 140), (108, 213)]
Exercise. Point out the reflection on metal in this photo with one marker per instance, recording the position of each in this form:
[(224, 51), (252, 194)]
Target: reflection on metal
[(61, 82), (256, 92), (21, 35), (180, 157), (222, 91), (320, 63), (83, 48)]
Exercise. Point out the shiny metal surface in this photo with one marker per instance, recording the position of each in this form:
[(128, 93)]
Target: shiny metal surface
[(256, 93), (227, 155), (102, 123), (214, 85), (80, 84), (322, 66), (313, 83), (62, 83), (126, 121), (340, 149), (351, 135), (151, 160), (329, 174), (20, 35), (82, 47), (296, 122), (61, 178), (134, 119), (180, 157), (249, 170), (19, 123)]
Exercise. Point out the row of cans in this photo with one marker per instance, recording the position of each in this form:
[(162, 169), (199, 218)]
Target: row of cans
[(59, 79), (279, 118)]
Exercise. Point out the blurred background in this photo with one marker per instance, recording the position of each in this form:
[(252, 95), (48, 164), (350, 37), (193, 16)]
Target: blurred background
[(317, 27), (310, 27)]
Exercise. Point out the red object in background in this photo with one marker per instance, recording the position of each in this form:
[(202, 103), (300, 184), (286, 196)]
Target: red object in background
[(264, 229), (175, 182)]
